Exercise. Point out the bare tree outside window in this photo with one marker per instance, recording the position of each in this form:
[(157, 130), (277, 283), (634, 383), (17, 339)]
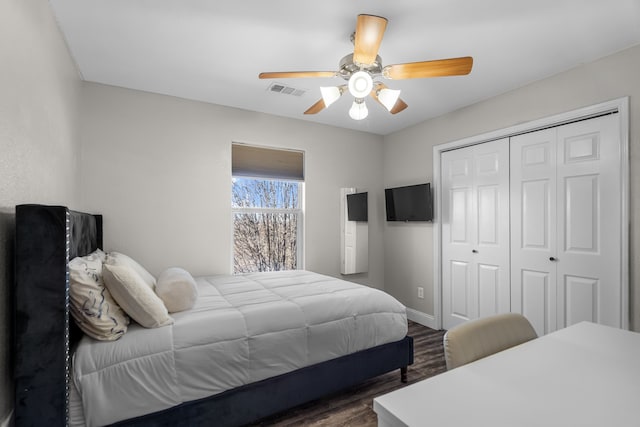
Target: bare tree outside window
[(266, 217)]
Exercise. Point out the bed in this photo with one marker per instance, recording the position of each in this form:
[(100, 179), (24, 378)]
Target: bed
[(46, 339)]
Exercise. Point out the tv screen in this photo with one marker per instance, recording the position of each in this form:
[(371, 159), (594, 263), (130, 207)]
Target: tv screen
[(410, 203), (357, 207)]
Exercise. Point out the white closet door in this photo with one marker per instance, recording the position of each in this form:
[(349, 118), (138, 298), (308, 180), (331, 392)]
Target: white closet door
[(589, 240), (565, 225), (533, 228), (475, 218), (458, 228)]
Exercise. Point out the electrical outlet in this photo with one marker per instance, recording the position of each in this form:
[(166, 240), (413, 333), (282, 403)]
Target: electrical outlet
[(420, 292)]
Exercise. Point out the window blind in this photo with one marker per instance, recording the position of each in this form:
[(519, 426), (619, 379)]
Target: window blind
[(262, 162)]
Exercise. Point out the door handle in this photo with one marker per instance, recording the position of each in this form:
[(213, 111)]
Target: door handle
[(475, 251), (552, 259)]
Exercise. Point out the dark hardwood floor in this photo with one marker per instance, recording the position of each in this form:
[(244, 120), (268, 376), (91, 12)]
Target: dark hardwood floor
[(354, 407)]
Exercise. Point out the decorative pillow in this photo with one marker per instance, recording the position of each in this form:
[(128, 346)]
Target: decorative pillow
[(177, 289), (135, 297), (91, 304), (117, 258)]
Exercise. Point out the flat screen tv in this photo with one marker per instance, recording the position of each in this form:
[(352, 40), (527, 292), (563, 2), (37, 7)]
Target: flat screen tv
[(410, 203), (357, 207)]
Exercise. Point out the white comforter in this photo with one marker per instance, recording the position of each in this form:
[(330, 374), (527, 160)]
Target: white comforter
[(243, 329)]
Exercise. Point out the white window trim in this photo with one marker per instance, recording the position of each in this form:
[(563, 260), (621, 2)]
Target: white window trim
[(300, 264)]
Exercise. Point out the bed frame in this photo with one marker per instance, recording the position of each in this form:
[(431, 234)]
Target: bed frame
[(47, 237)]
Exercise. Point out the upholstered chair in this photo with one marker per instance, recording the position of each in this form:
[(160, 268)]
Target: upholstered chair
[(480, 338)]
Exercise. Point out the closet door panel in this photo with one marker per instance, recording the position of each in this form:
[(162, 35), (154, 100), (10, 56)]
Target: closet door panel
[(458, 231), (488, 289), (535, 215), (588, 209), (488, 218), (581, 214), (461, 215), (535, 299), (581, 299), (533, 228), (460, 287), (492, 216), (475, 232)]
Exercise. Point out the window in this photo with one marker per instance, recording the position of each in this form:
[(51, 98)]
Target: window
[(266, 197)]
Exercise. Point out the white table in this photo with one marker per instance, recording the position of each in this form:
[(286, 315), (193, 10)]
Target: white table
[(583, 375)]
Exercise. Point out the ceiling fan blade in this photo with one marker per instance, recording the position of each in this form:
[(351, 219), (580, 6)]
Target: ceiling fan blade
[(316, 108), (369, 32), (437, 68), (400, 105), (296, 74)]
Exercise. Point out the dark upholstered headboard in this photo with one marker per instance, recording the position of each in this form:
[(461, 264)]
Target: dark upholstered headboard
[(47, 237)]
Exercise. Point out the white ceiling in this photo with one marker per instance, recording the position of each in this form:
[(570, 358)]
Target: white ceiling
[(213, 50)]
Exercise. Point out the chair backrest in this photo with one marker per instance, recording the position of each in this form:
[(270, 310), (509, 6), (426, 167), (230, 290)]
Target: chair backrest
[(480, 338)]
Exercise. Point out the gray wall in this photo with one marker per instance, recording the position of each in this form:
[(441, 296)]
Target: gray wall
[(408, 159), (159, 169), (39, 88)]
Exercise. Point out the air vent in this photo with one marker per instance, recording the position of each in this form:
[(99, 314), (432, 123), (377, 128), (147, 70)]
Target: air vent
[(286, 90)]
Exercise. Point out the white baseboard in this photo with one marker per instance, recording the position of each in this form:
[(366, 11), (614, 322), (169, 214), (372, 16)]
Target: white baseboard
[(7, 421), (424, 319)]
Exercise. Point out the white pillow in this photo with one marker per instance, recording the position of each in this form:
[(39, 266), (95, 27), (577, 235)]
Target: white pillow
[(91, 304), (135, 296), (117, 258), (177, 289)]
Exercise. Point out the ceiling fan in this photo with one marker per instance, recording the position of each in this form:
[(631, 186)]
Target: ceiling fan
[(362, 67)]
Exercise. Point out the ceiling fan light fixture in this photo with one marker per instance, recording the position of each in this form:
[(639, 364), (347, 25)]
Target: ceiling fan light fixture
[(330, 94), (360, 84), (388, 97), (358, 110), (364, 65)]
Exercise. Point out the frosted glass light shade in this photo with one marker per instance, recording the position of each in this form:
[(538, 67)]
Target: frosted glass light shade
[(358, 110), (330, 94), (360, 84), (388, 97)]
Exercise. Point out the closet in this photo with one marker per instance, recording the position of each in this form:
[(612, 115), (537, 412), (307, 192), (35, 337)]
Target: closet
[(531, 224)]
